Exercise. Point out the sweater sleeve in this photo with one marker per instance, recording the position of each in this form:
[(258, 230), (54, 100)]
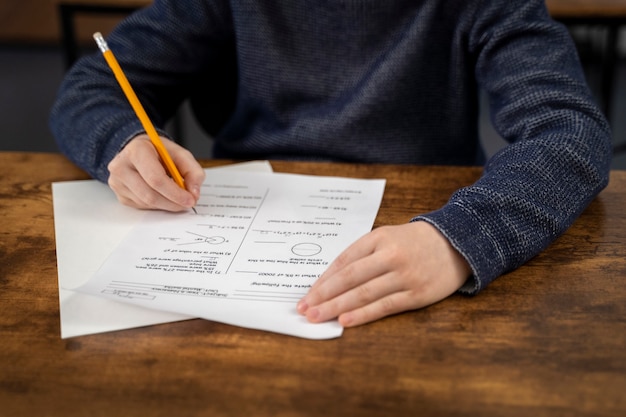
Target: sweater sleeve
[(164, 50), (559, 154)]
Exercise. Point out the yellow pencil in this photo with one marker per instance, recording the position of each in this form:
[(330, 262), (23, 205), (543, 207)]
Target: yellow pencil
[(139, 110)]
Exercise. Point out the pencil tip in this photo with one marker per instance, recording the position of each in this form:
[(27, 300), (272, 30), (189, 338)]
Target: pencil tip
[(194, 210)]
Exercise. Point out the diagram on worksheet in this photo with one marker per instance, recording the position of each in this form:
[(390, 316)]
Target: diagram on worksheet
[(201, 239), (306, 249)]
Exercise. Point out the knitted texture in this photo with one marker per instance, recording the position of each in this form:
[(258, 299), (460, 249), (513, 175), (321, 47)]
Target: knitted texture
[(392, 81)]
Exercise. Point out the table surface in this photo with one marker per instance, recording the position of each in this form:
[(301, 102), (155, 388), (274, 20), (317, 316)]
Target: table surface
[(587, 8), (548, 339)]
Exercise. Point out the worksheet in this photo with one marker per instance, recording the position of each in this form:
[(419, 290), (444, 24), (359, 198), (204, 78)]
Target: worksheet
[(256, 245), (89, 224)]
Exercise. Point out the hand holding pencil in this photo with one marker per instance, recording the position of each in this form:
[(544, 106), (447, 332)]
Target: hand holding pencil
[(139, 174)]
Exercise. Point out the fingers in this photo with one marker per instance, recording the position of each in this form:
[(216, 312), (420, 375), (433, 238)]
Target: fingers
[(352, 268), (360, 250), (334, 292), (386, 306), (390, 270), (139, 179), (357, 291), (188, 167), (372, 299)]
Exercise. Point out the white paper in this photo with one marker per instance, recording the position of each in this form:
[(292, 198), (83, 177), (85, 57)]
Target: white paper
[(257, 244), (89, 224)]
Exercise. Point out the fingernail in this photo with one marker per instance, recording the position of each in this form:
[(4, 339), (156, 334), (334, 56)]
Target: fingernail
[(346, 319), (302, 307)]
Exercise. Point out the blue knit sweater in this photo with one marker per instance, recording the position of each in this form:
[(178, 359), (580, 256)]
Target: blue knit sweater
[(392, 81)]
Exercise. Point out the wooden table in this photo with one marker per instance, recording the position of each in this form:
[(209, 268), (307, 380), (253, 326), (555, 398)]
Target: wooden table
[(546, 340), (587, 8)]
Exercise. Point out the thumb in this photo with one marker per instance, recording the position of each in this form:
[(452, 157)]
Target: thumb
[(188, 166), (194, 177)]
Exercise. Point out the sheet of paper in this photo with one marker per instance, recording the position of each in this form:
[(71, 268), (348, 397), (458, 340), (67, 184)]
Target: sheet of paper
[(89, 224), (257, 244)]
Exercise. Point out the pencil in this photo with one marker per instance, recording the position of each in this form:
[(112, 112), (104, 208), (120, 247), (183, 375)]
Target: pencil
[(139, 111)]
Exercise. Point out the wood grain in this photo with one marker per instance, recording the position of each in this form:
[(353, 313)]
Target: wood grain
[(548, 339), (587, 8)]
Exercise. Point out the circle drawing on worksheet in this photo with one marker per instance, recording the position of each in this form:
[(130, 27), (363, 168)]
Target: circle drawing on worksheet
[(211, 240), (306, 249)]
